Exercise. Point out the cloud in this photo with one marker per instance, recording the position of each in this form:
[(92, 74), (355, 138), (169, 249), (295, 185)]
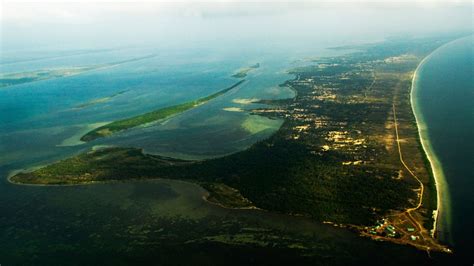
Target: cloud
[(89, 11)]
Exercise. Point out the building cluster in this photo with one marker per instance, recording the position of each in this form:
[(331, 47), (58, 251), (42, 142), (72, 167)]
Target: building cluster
[(385, 229), (321, 89)]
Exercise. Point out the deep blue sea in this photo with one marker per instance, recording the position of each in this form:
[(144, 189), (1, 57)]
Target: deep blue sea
[(445, 101)]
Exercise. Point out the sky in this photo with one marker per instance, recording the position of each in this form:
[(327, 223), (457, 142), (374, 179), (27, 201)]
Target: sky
[(87, 23)]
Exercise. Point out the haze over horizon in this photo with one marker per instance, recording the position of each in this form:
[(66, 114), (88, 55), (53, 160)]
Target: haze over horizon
[(100, 24)]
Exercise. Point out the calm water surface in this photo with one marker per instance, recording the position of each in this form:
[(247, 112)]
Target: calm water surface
[(445, 96)]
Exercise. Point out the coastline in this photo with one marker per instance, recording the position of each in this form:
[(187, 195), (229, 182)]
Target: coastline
[(442, 193), (204, 197)]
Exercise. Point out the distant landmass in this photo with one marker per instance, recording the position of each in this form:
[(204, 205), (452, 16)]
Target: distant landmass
[(11, 79)]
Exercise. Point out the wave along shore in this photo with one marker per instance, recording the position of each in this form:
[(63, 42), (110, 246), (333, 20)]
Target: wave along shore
[(442, 217)]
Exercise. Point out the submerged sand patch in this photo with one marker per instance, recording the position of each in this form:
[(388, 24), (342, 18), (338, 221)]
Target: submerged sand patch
[(75, 139), (255, 124), (233, 109)]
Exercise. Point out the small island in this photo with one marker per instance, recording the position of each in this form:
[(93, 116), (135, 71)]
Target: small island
[(153, 116), (99, 100), (242, 73)]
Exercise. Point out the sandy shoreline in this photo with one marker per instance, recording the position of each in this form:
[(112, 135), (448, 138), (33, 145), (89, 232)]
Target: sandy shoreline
[(442, 209)]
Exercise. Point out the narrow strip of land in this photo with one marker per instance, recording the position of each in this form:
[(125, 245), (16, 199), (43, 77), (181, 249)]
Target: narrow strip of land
[(153, 116), (422, 187)]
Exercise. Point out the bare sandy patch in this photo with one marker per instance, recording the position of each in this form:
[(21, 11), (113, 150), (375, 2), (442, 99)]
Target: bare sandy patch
[(245, 101)]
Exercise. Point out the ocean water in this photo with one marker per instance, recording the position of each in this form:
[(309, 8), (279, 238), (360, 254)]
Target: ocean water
[(445, 98)]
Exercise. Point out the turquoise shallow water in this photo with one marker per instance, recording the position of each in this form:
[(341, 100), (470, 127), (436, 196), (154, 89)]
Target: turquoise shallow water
[(444, 98), (39, 117)]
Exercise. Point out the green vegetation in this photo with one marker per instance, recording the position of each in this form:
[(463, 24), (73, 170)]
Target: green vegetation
[(97, 166), (242, 73), (150, 117), (226, 196)]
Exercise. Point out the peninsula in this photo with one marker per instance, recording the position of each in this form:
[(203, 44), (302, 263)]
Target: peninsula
[(347, 154)]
